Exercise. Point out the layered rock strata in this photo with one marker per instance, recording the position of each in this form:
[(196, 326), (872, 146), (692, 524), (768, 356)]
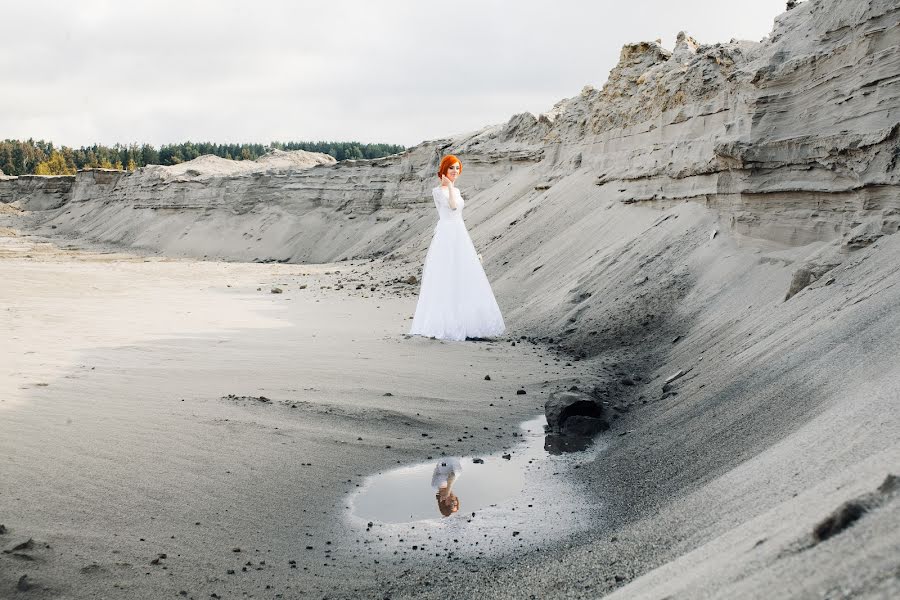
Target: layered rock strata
[(794, 139)]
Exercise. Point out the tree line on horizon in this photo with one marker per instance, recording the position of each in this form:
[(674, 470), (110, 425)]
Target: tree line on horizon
[(32, 157)]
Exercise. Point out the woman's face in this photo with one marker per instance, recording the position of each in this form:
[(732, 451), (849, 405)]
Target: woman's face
[(448, 504), (453, 172)]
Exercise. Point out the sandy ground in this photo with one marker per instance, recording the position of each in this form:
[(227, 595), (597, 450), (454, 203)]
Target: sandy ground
[(174, 427)]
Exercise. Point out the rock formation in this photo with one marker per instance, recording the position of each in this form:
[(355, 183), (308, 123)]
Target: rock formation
[(746, 129)]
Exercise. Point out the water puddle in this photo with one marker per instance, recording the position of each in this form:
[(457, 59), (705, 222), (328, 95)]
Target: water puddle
[(478, 504)]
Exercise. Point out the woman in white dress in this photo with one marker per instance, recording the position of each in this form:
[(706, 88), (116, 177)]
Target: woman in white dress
[(455, 301)]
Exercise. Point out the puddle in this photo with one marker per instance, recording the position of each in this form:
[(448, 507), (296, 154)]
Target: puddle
[(524, 499), (405, 495)]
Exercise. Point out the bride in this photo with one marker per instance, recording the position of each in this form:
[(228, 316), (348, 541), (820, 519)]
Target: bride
[(455, 300)]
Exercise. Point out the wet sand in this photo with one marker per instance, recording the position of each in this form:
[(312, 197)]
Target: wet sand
[(172, 428)]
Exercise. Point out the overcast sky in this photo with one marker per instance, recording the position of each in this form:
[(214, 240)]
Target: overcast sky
[(396, 71)]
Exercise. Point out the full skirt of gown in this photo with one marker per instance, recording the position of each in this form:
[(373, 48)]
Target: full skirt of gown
[(455, 301)]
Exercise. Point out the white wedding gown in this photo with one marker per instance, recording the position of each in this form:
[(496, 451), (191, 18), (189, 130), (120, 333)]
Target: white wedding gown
[(455, 300)]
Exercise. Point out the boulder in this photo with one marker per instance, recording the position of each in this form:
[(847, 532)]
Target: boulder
[(563, 406), (580, 425), (806, 275)]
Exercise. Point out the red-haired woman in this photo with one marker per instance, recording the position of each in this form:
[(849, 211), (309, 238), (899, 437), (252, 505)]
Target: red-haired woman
[(455, 301)]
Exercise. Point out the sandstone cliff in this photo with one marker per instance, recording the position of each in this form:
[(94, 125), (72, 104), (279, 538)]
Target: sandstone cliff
[(792, 139)]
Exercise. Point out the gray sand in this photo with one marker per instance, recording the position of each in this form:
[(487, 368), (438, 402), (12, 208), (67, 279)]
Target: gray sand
[(121, 443), (158, 407)]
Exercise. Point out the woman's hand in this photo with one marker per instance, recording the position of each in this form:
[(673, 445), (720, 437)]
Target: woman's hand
[(450, 200)]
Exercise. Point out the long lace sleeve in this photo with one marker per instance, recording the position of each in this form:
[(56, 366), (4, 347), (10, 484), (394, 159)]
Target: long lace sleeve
[(439, 198)]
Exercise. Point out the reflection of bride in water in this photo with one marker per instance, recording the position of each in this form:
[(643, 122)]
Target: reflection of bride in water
[(445, 473)]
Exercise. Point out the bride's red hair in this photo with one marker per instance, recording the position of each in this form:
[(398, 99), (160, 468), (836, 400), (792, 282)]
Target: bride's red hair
[(448, 162)]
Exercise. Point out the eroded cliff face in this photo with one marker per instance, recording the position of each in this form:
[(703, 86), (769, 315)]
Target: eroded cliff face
[(793, 142), (314, 212), (794, 139), (35, 191)]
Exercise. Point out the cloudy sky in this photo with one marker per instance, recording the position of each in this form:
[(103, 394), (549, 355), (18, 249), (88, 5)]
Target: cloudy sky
[(397, 71)]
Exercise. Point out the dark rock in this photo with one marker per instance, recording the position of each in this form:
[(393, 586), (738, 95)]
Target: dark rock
[(890, 485), (3, 529), (561, 406), (520, 392), (26, 545), (478, 461), (487, 377), (580, 425), (277, 290), (845, 516), (23, 585), (262, 399), (807, 275)]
